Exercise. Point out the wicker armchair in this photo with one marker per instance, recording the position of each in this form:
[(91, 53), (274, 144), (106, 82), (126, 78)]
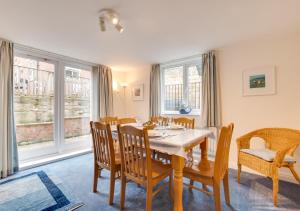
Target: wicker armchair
[(280, 145)]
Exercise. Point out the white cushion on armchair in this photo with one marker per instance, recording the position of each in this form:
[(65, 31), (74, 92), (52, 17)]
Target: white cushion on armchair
[(267, 155)]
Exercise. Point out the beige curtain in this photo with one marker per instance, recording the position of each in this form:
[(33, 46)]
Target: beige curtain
[(8, 144), (210, 108), (155, 98), (102, 92)]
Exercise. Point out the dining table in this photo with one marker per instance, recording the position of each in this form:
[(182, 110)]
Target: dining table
[(178, 141)]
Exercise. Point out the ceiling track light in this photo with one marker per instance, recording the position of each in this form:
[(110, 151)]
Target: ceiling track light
[(119, 28), (102, 24), (109, 16)]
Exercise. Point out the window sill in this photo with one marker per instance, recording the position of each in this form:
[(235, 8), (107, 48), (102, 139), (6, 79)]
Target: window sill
[(176, 113), (50, 159)]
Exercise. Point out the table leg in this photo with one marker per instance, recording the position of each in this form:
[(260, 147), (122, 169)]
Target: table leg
[(178, 164), (204, 163)]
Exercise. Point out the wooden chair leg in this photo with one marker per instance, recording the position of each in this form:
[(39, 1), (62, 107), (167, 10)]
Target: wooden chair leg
[(291, 167), (205, 187), (149, 198), (275, 190), (112, 187), (217, 195), (123, 191), (226, 188), (96, 175), (99, 172), (191, 184), (171, 186), (239, 173)]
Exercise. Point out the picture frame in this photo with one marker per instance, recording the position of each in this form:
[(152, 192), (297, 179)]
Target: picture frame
[(137, 92), (259, 81)]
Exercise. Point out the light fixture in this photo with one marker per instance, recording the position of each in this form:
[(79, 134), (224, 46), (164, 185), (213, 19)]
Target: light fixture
[(114, 19), (115, 85), (102, 24), (109, 16), (119, 28)]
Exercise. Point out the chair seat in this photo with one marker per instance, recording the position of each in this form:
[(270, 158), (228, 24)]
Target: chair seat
[(117, 162), (267, 155), (159, 169), (195, 171)]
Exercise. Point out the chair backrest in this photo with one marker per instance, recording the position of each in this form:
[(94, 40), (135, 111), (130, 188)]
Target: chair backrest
[(186, 122), (222, 154), (279, 138), (103, 145), (127, 120), (135, 153), (109, 120), (160, 120)]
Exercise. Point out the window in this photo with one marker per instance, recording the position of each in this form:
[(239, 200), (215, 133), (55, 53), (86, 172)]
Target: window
[(181, 87), (48, 120)]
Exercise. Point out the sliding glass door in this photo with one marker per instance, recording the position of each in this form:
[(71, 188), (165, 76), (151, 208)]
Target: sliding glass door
[(52, 105), (34, 104), (77, 107)]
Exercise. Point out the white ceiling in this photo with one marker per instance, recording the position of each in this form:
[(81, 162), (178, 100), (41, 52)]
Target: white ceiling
[(155, 30)]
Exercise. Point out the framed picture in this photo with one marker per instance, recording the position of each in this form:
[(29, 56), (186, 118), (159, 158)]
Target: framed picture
[(138, 92), (259, 81)]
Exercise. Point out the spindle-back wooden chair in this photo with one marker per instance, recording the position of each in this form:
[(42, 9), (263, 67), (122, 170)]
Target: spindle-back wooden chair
[(127, 120), (109, 120), (218, 170), (104, 155), (137, 164)]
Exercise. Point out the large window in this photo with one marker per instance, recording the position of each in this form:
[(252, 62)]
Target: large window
[(52, 107), (181, 87)]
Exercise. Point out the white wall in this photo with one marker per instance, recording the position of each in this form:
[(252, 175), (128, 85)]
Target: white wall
[(139, 109), (119, 96), (128, 107), (250, 113)]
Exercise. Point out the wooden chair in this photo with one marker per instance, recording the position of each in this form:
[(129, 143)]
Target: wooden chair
[(105, 156), (186, 122), (127, 120), (137, 164), (217, 172), (160, 120), (280, 145), (109, 120)]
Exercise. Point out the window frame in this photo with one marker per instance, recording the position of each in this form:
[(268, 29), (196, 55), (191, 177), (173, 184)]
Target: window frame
[(185, 63)]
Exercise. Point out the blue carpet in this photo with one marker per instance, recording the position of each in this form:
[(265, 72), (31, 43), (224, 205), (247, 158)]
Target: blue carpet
[(33, 191), (254, 192)]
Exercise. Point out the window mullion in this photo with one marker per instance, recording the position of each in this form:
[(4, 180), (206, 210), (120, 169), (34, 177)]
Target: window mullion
[(185, 85)]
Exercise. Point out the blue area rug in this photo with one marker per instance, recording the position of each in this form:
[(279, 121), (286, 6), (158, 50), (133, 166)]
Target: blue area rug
[(35, 192)]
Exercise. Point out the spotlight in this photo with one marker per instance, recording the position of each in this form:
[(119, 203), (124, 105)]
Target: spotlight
[(114, 19), (109, 16), (119, 28), (102, 24)]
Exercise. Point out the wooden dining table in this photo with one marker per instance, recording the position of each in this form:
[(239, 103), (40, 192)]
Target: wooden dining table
[(177, 143)]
